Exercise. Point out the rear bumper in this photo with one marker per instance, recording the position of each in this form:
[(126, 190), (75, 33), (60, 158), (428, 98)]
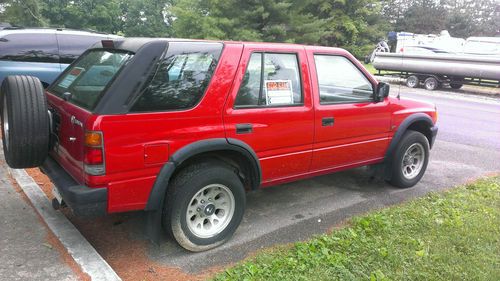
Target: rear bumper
[(434, 131), (83, 200)]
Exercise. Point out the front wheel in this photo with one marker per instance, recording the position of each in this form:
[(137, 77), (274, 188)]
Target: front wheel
[(410, 160), (205, 206)]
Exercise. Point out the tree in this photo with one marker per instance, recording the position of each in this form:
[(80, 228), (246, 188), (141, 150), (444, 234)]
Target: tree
[(423, 16), (149, 18), (22, 12), (355, 25)]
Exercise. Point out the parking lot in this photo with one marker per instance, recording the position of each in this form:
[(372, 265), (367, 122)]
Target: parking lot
[(467, 147)]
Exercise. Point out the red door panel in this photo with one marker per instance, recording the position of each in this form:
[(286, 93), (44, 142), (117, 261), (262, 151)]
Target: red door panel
[(348, 133), (281, 136)]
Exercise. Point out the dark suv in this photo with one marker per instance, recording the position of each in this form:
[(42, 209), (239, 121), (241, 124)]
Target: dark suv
[(42, 52), (182, 128)]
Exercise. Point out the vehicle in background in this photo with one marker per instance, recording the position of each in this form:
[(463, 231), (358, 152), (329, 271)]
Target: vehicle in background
[(42, 52), (434, 61)]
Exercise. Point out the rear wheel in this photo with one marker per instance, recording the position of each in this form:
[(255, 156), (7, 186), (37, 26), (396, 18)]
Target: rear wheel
[(204, 206), (431, 83), (410, 159), (456, 86), (25, 121), (412, 81)]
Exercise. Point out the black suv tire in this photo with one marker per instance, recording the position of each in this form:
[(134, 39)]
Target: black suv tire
[(411, 151), (25, 121), (213, 197)]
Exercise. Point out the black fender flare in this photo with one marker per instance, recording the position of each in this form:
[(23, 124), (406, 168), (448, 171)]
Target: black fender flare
[(157, 193), (403, 127)]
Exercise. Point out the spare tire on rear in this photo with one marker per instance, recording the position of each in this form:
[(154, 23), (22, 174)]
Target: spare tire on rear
[(25, 121)]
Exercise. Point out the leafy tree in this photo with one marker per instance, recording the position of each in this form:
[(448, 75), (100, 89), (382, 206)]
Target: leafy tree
[(147, 18), (354, 25), (423, 16), (22, 12)]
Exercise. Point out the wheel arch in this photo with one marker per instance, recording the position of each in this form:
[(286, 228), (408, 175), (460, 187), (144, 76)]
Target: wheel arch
[(233, 152), (419, 122)]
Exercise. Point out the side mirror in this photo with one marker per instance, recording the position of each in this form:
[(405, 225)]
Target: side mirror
[(382, 91)]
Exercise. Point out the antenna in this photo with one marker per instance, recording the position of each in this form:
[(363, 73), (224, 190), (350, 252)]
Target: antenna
[(402, 49)]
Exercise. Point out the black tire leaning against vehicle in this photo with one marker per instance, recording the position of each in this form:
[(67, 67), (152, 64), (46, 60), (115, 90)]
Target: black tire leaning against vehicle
[(411, 151), (214, 182), (25, 121)]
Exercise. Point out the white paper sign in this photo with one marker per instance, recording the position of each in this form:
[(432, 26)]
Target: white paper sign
[(278, 92), (71, 77)]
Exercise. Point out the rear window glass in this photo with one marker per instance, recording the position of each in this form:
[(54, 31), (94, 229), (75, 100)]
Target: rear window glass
[(88, 77), (182, 77)]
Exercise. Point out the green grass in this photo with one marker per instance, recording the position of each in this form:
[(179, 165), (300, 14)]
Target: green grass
[(453, 235), (370, 68)]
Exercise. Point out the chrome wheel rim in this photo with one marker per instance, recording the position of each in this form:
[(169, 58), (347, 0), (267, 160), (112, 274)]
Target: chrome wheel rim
[(5, 121), (412, 82), (431, 84), (210, 210), (413, 161)]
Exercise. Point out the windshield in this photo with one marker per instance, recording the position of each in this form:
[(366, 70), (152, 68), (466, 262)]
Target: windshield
[(88, 77)]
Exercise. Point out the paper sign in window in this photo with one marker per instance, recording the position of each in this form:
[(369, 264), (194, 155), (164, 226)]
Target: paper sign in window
[(71, 77), (278, 92)]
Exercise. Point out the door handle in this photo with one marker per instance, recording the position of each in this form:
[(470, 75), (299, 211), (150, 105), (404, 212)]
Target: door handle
[(327, 121), (244, 128)]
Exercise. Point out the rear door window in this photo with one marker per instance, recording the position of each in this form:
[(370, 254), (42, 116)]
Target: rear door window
[(271, 79), (182, 77), (87, 79), (71, 46), (29, 47)]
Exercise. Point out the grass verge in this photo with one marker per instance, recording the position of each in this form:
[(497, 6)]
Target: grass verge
[(453, 235)]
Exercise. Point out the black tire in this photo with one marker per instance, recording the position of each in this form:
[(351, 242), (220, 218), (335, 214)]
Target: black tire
[(25, 121), (456, 86), (188, 184), (409, 139), (431, 84), (412, 81)]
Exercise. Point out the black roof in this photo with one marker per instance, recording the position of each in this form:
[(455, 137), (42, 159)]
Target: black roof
[(133, 44)]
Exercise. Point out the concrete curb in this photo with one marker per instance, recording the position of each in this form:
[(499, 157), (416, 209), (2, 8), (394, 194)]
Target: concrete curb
[(78, 247)]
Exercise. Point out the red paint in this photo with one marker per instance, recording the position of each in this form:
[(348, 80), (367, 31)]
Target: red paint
[(290, 142)]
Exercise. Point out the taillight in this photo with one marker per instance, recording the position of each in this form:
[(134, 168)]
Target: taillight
[(94, 153)]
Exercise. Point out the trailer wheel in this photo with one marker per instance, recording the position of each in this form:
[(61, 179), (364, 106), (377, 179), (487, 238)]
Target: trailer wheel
[(431, 84), (456, 86), (412, 81)]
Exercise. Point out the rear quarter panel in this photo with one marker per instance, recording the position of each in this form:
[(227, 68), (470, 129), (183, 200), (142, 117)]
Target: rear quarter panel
[(138, 144)]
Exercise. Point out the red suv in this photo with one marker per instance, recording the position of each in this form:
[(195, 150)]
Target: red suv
[(183, 128)]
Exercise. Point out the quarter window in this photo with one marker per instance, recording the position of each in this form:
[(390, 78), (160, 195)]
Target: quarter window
[(270, 80), (340, 81), (182, 77)]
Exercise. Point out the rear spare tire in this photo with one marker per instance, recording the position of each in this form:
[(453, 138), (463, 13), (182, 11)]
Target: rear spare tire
[(25, 121)]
